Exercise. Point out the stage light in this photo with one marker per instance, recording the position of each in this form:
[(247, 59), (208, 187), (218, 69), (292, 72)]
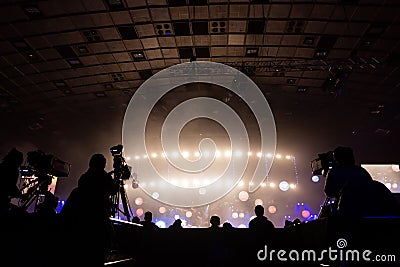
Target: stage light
[(227, 153), (288, 157), (189, 214), (138, 201), (241, 226), (161, 210), (241, 215), (305, 214), (235, 215), (197, 154), (137, 157), (155, 195), (394, 186), (272, 185), (217, 154), (315, 178), (292, 186), (263, 184), (241, 183), (272, 209), (154, 155), (259, 154), (258, 202), (284, 186), (243, 195), (176, 217), (128, 158), (249, 153), (388, 185), (139, 212), (278, 156), (185, 154)]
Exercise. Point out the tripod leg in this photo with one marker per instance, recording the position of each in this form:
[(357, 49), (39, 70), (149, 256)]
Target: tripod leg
[(125, 203)]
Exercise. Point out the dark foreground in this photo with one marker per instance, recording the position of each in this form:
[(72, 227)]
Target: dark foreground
[(361, 242)]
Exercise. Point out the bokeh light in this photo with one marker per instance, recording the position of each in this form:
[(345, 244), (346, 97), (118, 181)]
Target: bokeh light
[(243, 196), (272, 209)]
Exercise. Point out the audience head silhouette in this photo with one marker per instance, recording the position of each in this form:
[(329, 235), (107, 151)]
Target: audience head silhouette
[(97, 161), (14, 158), (259, 210), (148, 216), (215, 221)]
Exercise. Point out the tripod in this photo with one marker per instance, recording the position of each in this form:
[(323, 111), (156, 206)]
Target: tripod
[(121, 196)]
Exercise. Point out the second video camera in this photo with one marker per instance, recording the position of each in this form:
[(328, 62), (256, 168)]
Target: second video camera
[(322, 164)]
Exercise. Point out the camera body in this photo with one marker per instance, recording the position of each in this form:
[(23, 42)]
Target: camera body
[(41, 164), (121, 169), (322, 164)]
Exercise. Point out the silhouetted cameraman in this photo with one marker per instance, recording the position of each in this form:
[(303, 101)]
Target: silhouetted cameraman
[(9, 174), (355, 192)]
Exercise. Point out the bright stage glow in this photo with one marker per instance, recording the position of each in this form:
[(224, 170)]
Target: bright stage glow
[(284, 186), (315, 178), (161, 224), (394, 185), (242, 226), (235, 215), (241, 215), (292, 186), (188, 214), (272, 185), (223, 173), (176, 217)]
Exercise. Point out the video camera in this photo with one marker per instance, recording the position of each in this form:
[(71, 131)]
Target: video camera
[(121, 169), (40, 164), (322, 164)]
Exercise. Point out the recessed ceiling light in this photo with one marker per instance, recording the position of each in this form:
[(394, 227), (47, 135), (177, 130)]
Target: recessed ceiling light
[(75, 62), (138, 55), (60, 84), (32, 11), (308, 40), (100, 94), (302, 89)]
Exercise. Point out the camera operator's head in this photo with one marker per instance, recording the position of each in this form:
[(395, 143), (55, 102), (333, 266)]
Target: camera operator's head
[(344, 156), (97, 161), (14, 158)]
